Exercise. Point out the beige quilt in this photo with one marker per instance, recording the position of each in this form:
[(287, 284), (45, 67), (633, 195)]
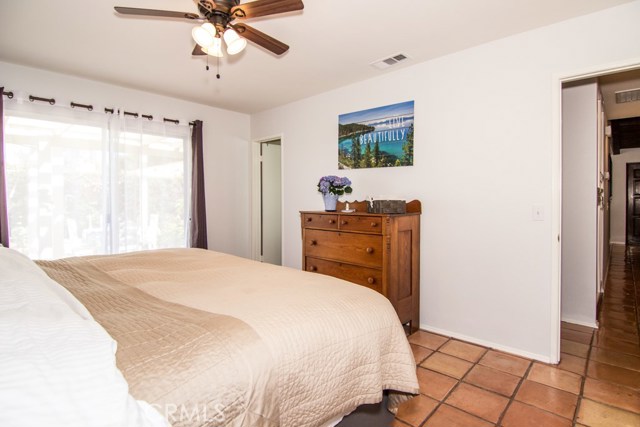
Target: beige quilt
[(261, 345)]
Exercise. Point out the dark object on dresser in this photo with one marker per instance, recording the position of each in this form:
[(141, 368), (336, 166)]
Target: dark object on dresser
[(388, 206), (379, 251)]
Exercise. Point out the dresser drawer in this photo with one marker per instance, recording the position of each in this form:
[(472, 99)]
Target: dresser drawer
[(369, 277), (361, 249), (329, 222), (370, 224)]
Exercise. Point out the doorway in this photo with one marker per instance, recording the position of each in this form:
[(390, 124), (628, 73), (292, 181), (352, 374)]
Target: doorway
[(581, 232), (633, 204), (267, 206), (582, 207)]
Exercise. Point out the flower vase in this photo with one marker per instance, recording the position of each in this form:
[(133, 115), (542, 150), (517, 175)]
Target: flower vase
[(330, 201)]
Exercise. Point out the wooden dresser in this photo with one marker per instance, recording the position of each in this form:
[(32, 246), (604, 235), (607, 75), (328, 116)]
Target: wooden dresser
[(379, 251)]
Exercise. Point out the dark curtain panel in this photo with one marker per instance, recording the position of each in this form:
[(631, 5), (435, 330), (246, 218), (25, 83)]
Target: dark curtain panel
[(4, 219), (198, 226)]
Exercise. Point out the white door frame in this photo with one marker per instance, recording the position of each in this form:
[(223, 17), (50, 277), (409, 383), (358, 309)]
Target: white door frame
[(256, 229), (600, 213), (556, 187)]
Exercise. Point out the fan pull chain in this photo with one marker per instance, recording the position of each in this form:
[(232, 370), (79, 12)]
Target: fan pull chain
[(218, 67), (207, 67)]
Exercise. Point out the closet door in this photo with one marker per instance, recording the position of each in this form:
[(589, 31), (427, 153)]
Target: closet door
[(271, 203)]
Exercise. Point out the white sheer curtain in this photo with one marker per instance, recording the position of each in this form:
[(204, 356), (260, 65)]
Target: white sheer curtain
[(85, 183)]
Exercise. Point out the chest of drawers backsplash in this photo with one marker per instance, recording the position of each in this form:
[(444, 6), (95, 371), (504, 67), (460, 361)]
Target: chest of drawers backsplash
[(379, 251)]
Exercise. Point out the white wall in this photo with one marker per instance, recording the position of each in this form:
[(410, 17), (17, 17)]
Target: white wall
[(483, 157), (579, 202), (619, 199), (225, 134)]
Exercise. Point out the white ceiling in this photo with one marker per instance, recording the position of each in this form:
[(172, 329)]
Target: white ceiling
[(332, 43)]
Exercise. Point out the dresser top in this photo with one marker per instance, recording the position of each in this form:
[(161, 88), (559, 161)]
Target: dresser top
[(414, 207)]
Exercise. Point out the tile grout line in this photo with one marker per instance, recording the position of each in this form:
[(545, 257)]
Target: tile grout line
[(440, 403), (459, 381), (515, 392), (455, 387), (583, 381), (476, 363)]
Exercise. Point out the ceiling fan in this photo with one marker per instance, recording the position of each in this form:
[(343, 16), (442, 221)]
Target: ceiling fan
[(217, 18)]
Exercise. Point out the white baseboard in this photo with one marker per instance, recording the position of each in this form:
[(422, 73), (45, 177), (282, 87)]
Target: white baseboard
[(495, 346), (593, 325)]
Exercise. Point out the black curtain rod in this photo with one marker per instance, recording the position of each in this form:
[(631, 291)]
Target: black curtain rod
[(177, 121), (136, 115), (86, 106), (89, 107), (51, 101)]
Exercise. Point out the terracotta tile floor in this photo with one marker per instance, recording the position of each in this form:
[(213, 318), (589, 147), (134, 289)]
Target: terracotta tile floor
[(597, 382)]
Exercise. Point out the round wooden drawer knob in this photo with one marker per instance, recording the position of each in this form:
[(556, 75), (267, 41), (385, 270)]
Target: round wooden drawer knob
[(371, 280), (309, 219), (313, 268), (374, 224), (369, 250), (331, 221), (343, 222), (314, 242)]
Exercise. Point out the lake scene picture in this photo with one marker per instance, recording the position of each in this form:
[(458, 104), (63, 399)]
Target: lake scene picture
[(376, 138)]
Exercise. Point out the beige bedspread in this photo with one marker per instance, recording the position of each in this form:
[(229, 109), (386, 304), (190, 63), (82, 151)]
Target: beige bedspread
[(294, 348)]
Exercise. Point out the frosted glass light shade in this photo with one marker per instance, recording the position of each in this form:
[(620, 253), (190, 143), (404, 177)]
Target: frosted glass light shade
[(215, 49), (235, 43), (204, 34)]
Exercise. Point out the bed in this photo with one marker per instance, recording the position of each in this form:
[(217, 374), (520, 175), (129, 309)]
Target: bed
[(203, 339)]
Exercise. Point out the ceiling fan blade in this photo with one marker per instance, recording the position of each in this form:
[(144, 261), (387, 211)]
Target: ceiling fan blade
[(197, 50), (155, 12), (261, 39), (265, 7)]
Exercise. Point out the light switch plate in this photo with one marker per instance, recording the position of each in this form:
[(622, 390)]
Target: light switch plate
[(537, 213)]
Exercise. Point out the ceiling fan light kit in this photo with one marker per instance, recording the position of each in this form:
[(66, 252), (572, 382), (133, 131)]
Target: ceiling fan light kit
[(215, 49), (235, 43), (208, 38), (217, 17), (204, 34)]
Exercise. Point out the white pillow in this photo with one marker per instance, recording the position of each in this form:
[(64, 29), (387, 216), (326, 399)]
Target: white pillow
[(18, 268), (57, 364)]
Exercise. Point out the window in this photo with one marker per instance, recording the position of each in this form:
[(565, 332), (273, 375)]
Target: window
[(82, 183)]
